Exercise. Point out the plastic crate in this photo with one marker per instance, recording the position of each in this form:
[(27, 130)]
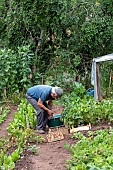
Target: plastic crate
[(55, 121)]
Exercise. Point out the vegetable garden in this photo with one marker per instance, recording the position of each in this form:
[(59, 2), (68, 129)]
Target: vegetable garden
[(89, 150), (54, 42)]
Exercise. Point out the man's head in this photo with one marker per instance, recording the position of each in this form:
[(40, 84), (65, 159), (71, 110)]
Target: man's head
[(56, 92)]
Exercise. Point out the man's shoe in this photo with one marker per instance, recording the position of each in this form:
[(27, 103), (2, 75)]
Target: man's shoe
[(40, 131), (46, 129)]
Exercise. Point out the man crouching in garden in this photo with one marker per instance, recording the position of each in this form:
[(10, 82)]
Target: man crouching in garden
[(40, 97)]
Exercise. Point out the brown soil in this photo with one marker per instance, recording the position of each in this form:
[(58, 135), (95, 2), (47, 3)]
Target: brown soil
[(51, 156)]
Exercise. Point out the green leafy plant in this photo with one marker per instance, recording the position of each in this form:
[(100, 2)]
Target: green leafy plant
[(8, 163), (3, 113), (16, 64), (80, 108), (92, 152), (33, 148)]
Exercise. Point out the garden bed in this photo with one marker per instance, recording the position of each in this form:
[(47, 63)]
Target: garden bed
[(50, 155)]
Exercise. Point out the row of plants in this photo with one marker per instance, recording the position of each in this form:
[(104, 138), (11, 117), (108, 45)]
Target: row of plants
[(80, 108), (14, 76), (3, 113), (93, 152), (8, 161), (20, 136)]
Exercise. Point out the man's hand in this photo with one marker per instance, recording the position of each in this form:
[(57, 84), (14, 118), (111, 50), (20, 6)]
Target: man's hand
[(50, 113), (40, 105)]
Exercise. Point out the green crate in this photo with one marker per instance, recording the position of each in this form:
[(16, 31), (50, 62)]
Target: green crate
[(55, 121)]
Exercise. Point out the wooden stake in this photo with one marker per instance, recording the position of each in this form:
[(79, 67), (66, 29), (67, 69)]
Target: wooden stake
[(98, 83), (110, 80)]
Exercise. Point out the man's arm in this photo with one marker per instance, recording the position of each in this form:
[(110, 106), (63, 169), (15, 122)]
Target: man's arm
[(40, 105), (50, 103)]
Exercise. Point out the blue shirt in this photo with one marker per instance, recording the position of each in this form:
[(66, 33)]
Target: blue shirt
[(40, 91)]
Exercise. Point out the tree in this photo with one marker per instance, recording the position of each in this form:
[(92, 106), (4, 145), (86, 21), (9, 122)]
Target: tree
[(63, 34)]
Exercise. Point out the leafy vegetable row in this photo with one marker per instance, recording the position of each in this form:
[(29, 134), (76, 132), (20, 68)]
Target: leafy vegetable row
[(93, 152), (21, 136), (3, 113), (80, 108)]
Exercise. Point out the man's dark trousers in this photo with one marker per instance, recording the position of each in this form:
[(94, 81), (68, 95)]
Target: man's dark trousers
[(41, 115)]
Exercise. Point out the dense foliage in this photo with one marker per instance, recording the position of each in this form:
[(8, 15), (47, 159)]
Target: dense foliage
[(64, 35), (14, 70), (41, 40), (80, 108)]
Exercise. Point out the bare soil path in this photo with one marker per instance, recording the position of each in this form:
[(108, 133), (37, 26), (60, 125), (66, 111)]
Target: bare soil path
[(51, 156)]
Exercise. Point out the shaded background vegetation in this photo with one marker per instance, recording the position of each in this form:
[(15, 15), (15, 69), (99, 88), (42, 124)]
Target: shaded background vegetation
[(53, 42)]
